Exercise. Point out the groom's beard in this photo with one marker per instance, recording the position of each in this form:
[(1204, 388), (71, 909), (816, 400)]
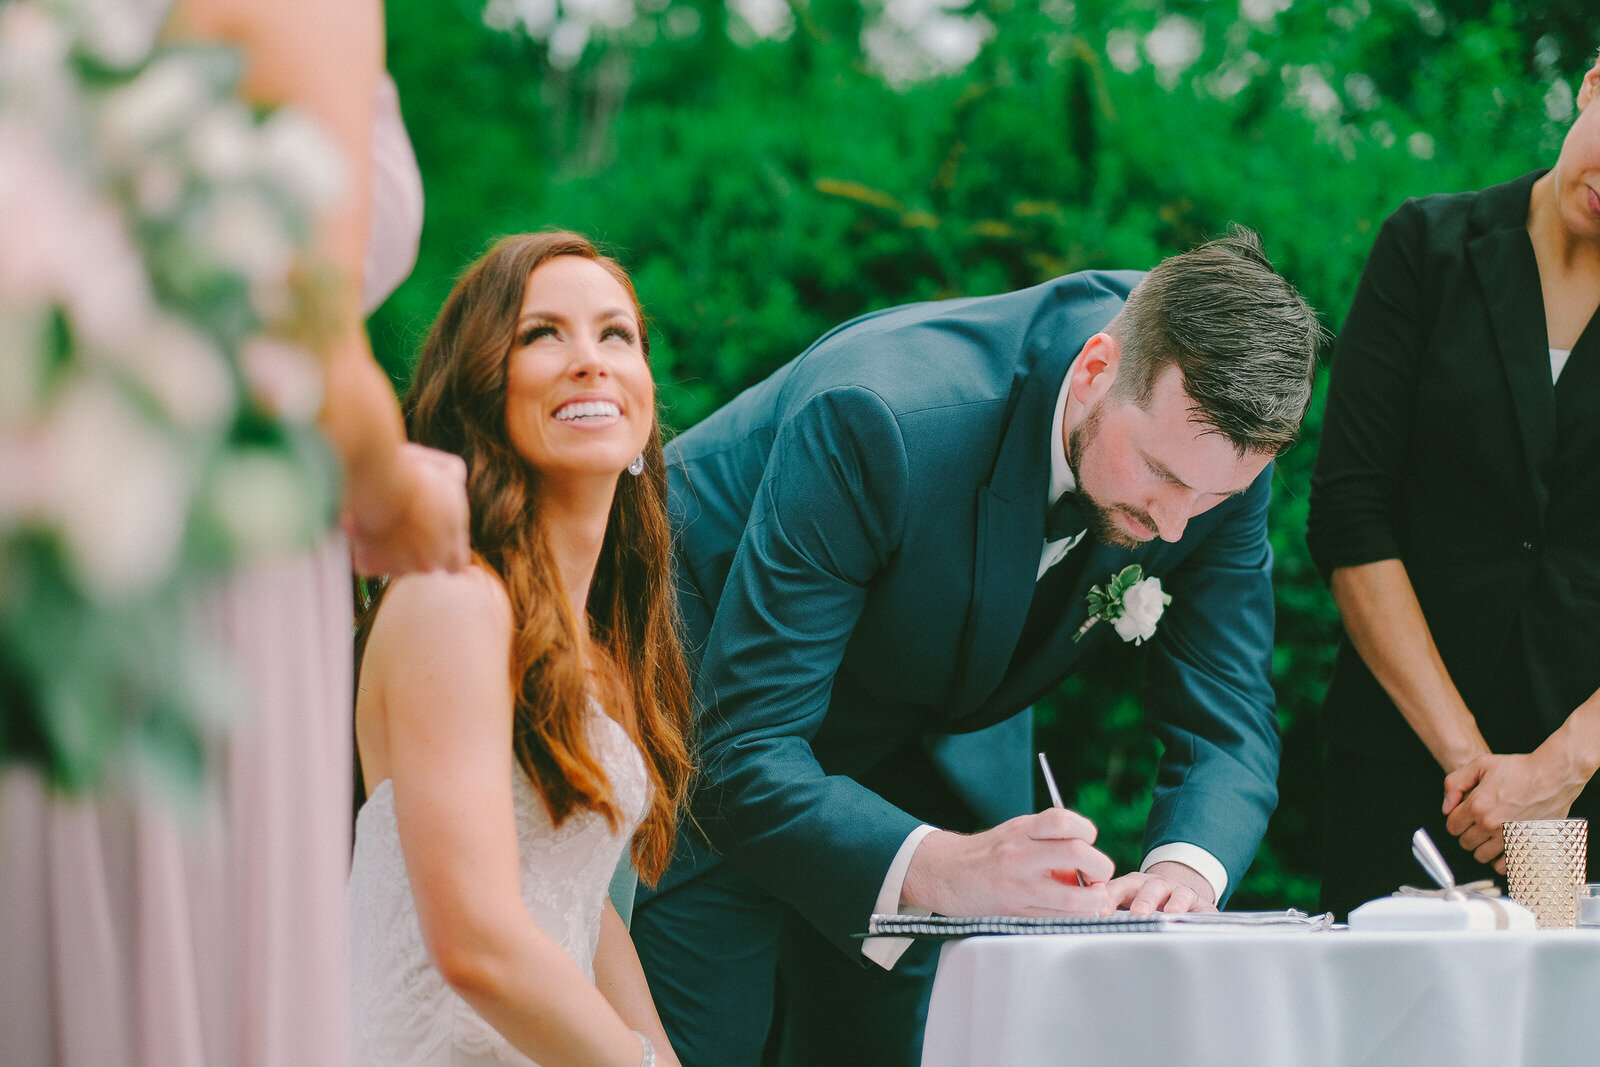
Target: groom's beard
[(1098, 515)]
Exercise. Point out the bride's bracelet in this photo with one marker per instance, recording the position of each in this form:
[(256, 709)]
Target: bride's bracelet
[(649, 1058)]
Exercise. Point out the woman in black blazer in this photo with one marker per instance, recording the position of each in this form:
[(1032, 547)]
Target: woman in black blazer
[(1455, 513)]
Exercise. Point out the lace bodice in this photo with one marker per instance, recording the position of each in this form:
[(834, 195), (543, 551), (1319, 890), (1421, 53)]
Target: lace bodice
[(404, 1014)]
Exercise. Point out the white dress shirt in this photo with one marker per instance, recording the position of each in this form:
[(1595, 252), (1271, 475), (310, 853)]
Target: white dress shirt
[(886, 951), (1558, 360)]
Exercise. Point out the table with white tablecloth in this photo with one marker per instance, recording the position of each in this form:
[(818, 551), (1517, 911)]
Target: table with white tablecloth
[(1268, 997)]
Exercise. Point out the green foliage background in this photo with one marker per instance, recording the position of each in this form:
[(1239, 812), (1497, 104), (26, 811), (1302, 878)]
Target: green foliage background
[(763, 190)]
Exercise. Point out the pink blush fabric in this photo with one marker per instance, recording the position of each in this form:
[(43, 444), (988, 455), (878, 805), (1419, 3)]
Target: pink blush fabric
[(136, 935)]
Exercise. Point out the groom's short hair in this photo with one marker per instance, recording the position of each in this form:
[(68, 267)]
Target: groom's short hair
[(1243, 338)]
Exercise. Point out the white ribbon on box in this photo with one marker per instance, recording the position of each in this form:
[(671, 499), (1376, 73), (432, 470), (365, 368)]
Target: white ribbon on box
[(1474, 906)]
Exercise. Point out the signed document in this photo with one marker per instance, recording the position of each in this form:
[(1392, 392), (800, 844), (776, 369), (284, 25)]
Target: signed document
[(948, 926)]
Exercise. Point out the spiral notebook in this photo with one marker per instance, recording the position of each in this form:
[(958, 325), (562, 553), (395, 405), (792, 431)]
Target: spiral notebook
[(1122, 922)]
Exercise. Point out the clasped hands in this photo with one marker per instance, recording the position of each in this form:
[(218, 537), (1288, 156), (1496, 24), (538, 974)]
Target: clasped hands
[(1485, 793), (1043, 864)]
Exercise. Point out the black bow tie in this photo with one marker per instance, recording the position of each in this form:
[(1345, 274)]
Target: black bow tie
[(1065, 519)]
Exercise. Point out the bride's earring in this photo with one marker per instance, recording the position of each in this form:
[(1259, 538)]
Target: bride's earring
[(636, 468)]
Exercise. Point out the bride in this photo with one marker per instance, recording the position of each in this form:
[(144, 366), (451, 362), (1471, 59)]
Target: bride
[(519, 722)]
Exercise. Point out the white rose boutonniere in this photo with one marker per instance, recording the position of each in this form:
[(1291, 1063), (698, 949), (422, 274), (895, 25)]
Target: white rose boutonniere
[(1132, 603)]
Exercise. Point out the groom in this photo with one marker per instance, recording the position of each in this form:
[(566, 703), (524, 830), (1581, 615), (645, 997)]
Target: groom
[(890, 542)]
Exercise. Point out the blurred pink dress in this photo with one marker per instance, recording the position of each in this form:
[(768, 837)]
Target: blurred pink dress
[(131, 936)]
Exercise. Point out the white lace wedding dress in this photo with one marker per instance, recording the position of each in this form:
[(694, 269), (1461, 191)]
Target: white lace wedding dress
[(403, 1012)]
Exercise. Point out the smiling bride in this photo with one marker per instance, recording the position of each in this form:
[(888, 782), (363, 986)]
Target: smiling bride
[(518, 723)]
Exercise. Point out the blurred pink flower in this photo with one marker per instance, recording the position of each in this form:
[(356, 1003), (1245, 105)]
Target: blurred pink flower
[(284, 378), (115, 488)]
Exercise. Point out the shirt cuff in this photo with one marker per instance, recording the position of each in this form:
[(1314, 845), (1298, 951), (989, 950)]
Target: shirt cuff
[(1193, 856), (886, 951)]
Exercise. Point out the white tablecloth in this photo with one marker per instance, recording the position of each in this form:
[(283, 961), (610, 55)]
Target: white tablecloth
[(1284, 999)]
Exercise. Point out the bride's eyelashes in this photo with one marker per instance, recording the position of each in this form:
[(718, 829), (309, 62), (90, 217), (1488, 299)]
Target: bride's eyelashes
[(534, 331)]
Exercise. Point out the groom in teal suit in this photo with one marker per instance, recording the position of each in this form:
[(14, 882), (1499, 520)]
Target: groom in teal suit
[(884, 555)]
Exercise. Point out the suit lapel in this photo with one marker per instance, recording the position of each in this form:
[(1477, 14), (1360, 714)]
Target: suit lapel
[(1011, 507), (1026, 682), (1010, 536), (1502, 256)]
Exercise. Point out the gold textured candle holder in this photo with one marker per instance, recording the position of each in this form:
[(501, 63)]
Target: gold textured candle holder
[(1545, 863)]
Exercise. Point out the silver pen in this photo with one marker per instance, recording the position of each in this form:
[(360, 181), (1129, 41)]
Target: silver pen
[(1055, 802), (1050, 782)]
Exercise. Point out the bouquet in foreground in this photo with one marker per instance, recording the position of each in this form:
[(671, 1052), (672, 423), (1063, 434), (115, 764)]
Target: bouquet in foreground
[(157, 401)]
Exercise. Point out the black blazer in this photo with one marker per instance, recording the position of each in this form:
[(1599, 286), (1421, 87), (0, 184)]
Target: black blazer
[(1446, 446)]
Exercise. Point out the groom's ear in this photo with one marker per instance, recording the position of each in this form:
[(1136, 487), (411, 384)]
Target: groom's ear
[(1589, 86), (1096, 368)]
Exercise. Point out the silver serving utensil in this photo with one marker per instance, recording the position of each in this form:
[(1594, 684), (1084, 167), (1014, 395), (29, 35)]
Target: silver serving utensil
[(1432, 861)]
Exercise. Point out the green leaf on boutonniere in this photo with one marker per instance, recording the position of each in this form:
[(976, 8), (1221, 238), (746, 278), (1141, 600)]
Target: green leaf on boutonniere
[(1121, 583), (1105, 602)]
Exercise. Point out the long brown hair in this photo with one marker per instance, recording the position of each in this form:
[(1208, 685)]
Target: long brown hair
[(457, 403)]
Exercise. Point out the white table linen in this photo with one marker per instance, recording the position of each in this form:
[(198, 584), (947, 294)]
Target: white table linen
[(1285, 999)]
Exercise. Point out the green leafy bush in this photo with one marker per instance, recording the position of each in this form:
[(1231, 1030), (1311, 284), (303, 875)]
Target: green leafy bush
[(763, 190)]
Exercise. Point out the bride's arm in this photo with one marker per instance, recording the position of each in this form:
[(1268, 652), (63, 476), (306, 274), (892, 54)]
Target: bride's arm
[(440, 659), (621, 979)]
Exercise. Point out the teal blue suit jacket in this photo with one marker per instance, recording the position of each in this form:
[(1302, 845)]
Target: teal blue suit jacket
[(859, 537)]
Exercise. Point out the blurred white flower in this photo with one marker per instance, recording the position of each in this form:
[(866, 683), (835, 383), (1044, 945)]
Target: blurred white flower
[(33, 46), (1362, 91), (284, 378), (1122, 48), (916, 39), (61, 243), (1420, 145), (116, 490), (185, 373), (567, 42), (1558, 101), (21, 476), (1430, 18), (273, 299), (240, 230), (100, 274), (160, 103), (1228, 81), (1311, 91), (158, 186), (500, 15), (1063, 12), (953, 41), (1546, 54), (222, 143), (611, 14), (296, 153), (1263, 11), (680, 22), (119, 32), (32, 186), (535, 17), (767, 19), (262, 502), (1173, 46)]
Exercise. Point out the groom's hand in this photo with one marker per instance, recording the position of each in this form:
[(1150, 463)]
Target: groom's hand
[(1167, 886), (1042, 864)]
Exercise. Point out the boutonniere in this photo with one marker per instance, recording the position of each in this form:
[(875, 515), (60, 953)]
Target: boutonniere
[(1130, 602)]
